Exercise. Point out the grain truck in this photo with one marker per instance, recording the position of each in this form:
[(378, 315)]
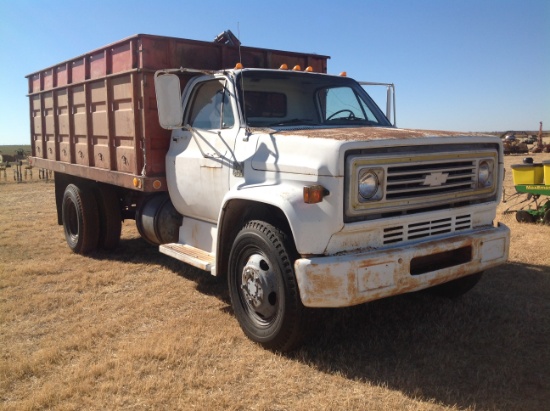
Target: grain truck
[(257, 166)]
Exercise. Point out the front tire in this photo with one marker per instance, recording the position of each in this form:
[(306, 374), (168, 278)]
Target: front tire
[(80, 219), (263, 289)]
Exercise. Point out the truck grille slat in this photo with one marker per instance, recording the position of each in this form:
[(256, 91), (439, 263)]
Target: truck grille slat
[(415, 191), (420, 179), (416, 182), (428, 228), (467, 169)]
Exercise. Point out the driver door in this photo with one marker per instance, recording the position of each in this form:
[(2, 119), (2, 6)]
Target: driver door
[(202, 154)]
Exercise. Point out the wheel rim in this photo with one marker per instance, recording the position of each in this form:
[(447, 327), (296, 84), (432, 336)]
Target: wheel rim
[(259, 289)]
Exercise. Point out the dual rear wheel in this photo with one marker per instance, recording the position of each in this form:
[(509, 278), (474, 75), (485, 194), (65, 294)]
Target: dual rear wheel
[(91, 218)]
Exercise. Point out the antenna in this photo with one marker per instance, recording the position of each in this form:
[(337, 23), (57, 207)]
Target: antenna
[(247, 130), (239, 36)]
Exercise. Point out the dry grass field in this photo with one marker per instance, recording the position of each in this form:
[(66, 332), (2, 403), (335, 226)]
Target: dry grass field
[(135, 329)]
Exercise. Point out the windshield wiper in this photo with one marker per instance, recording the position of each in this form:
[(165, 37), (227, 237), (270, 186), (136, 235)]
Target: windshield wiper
[(341, 121), (294, 121)]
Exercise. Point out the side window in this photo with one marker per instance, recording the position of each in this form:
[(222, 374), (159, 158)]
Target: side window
[(228, 120), (210, 107)]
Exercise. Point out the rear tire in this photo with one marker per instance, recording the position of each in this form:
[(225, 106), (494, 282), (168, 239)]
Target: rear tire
[(80, 219), (458, 287), (110, 218), (263, 289)]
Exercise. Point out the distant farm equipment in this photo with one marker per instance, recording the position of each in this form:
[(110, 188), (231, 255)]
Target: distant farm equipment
[(540, 147), (515, 147), (19, 164), (531, 201), (516, 142)]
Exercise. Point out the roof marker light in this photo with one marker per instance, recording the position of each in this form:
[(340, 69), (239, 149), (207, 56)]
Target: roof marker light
[(343, 74), (297, 68), (238, 66), (283, 67), (309, 69)]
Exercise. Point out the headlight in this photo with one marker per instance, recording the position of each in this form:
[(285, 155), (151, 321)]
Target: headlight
[(485, 174), (368, 184)]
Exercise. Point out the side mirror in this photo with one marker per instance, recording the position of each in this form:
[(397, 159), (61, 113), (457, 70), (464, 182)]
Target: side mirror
[(390, 99), (170, 110)]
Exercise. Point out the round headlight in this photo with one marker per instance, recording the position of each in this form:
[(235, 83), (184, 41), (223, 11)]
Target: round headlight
[(368, 184), (484, 174)]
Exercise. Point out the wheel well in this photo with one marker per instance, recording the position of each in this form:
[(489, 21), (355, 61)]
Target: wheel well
[(62, 180), (235, 215)]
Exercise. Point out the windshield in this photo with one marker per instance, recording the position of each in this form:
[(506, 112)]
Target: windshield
[(279, 98)]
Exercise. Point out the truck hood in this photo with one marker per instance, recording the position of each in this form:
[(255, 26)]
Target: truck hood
[(370, 133), (293, 151)]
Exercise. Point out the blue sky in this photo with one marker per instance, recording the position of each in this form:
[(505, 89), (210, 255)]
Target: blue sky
[(458, 65)]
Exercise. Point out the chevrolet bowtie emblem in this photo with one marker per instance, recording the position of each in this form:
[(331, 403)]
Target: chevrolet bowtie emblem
[(435, 179)]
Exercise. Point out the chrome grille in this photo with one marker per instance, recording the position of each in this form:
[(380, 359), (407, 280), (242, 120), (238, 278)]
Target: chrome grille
[(427, 179), (419, 182)]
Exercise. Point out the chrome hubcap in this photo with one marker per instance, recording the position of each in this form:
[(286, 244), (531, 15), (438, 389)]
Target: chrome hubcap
[(259, 287)]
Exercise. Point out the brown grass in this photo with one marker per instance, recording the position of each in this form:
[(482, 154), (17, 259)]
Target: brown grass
[(138, 330)]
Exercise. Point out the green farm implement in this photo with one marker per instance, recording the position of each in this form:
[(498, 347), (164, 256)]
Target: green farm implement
[(531, 201)]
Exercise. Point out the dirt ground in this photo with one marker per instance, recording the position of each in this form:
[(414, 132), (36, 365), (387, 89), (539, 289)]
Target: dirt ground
[(135, 329)]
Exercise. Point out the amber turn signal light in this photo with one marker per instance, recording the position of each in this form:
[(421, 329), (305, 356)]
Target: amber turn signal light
[(314, 194), (137, 182)]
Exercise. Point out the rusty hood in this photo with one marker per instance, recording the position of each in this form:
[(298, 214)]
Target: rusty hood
[(370, 133), (294, 152)]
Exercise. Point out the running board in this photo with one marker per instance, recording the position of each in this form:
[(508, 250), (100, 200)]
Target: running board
[(190, 255)]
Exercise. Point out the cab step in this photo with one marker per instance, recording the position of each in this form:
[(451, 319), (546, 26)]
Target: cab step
[(190, 255)]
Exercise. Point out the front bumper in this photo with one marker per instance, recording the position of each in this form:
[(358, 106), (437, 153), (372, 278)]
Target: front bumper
[(359, 277)]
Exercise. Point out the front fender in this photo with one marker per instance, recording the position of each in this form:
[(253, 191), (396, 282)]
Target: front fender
[(312, 225)]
